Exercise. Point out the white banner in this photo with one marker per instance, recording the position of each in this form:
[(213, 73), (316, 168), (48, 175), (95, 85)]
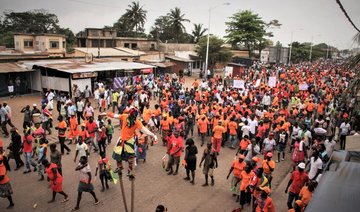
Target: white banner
[(303, 87), (272, 82), (239, 84), (228, 71)]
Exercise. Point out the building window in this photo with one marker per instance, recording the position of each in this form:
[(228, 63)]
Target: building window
[(152, 46), (28, 43), (54, 44), (127, 45), (134, 45)]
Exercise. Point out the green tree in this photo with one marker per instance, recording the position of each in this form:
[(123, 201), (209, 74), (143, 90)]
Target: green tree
[(135, 16), (198, 32), (36, 21), (161, 29), (175, 22), (217, 53), (245, 28)]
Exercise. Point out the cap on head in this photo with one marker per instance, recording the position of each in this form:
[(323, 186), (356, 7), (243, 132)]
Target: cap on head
[(301, 165), (34, 105), (269, 154)]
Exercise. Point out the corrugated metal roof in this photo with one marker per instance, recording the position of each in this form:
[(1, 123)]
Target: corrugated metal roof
[(179, 59), (131, 51), (163, 64), (105, 52), (11, 67), (79, 66)]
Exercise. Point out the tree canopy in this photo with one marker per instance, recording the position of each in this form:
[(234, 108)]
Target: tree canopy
[(198, 32), (170, 28), (35, 21), (217, 53), (248, 29)]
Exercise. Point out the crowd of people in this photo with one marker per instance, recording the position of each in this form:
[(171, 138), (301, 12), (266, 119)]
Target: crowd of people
[(261, 123)]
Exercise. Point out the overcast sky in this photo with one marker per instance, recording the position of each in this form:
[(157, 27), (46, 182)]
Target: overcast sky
[(321, 19)]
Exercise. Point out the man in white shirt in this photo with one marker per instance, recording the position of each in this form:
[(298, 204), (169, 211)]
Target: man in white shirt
[(266, 101), (81, 149), (269, 143), (329, 146), (252, 150), (315, 166), (253, 123), (80, 110), (245, 129), (344, 131)]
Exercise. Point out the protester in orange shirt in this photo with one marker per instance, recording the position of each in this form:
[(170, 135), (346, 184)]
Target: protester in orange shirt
[(245, 194), (73, 129), (203, 124), (165, 126), (218, 133), (236, 168), (306, 193), (244, 143), (269, 166), (61, 134), (233, 132)]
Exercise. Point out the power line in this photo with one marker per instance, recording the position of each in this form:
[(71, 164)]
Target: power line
[(347, 16)]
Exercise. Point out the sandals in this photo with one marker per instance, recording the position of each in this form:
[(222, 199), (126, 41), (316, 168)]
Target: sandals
[(65, 200), (96, 203), (74, 209)]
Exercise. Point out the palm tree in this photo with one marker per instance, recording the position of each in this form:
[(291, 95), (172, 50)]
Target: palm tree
[(135, 16), (176, 20), (198, 32)]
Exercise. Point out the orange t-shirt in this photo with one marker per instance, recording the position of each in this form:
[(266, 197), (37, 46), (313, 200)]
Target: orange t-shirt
[(238, 167), (218, 131), (245, 179), (266, 167), (62, 125), (244, 143), (126, 132), (165, 125), (203, 125), (305, 195), (232, 127), (3, 173)]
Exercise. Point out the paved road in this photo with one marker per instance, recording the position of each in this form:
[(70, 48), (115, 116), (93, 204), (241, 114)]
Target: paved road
[(152, 186)]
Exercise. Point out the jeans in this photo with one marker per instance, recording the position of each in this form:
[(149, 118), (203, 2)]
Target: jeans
[(233, 141), (342, 142), (291, 198), (29, 161)]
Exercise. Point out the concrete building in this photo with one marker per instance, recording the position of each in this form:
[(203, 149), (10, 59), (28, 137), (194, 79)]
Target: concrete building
[(107, 38), (52, 44)]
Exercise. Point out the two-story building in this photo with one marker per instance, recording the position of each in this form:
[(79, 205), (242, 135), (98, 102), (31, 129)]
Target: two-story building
[(107, 38), (52, 44)]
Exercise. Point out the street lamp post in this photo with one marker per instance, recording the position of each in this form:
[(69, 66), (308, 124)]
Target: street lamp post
[(291, 41), (208, 38), (311, 46)]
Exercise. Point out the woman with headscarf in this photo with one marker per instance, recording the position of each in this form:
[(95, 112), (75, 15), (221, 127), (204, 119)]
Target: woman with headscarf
[(190, 159)]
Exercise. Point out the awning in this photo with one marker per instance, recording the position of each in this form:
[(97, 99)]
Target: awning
[(163, 64), (12, 68)]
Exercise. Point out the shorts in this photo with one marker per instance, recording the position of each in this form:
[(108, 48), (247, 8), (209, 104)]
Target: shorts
[(211, 172), (174, 160), (281, 147)]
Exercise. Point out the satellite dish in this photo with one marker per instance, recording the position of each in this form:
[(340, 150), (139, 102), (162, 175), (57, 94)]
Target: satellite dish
[(88, 58)]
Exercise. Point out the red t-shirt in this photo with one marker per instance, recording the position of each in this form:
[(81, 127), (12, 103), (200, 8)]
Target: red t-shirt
[(90, 127), (299, 180), (27, 143), (3, 173), (176, 143)]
